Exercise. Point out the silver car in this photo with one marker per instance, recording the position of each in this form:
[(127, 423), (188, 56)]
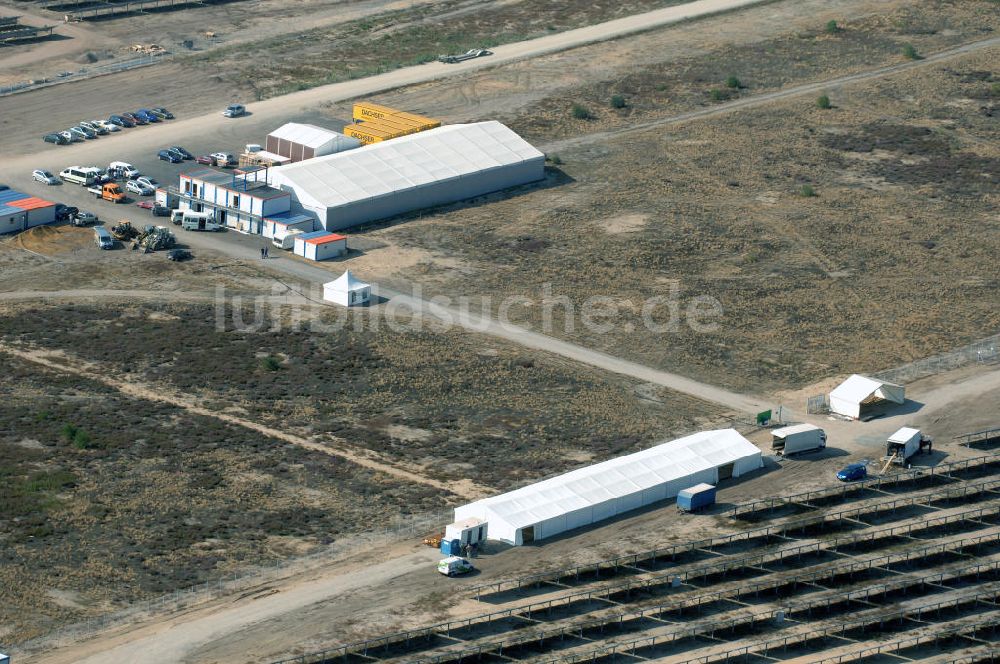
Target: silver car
[(96, 128), (43, 176), (80, 135), (137, 187)]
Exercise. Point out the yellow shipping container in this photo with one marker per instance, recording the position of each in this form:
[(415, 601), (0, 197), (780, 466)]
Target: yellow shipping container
[(368, 112), (365, 136), (390, 125)]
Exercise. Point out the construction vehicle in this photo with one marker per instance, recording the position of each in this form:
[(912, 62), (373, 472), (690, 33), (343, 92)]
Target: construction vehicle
[(903, 444), (124, 231), (433, 541), (471, 54), (109, 191)]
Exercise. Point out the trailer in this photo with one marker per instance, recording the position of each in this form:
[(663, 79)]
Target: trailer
[(797, 438), (696, 497), (903, 444)]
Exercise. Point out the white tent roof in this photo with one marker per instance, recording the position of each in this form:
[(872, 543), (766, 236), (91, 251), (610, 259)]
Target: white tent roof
[(345, 283), (409, 161), (622, 476), (858, 388), (309, 135)]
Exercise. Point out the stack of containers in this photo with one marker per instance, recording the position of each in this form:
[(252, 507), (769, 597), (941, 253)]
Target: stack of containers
[(375, 123)]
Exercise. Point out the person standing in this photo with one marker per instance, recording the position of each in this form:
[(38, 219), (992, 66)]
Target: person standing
[(262, 253)]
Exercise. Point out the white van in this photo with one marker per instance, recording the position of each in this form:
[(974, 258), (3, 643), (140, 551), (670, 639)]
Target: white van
[(285, 239), (126, 169), (103, 239), (190, 220), (234, 111), (82, 175)]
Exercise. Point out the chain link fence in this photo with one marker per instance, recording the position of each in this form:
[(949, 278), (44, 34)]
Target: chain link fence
[(84, 73), (416, 526), (982, 352)]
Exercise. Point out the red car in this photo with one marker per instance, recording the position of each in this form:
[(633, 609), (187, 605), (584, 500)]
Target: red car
[(205, 159), (145, 205)]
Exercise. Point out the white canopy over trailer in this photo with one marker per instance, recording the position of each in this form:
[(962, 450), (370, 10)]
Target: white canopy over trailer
[(601, 491), (857, 393)]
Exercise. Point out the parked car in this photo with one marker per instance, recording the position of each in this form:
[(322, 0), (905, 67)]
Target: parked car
[(147, 115), (223, 159), (853, 472), (124, 169), (134, 118), (78, 134), (121, 121), (205, 159), (109, 126), (172, 157), (69, 136), (43, 176), (163, 113), (234, 111), (84, 219), (147, 181), (87, 131), (179, 155), (146, 205), (98, 129), (182, 152), (136, 187), (161, 211), (178, 255), (64, 212), (56, 139)]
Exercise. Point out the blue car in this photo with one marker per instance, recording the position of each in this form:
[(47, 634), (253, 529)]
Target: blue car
[(147, 115), (121, 121), (853, 472), (167, 155)]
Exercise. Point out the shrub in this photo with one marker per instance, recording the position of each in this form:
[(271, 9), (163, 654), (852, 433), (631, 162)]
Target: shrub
[(617, 101), (995, 90), (556, 159), (271, 363), (910, 53), (69, 432), (733, 82), (581, 112), (824, 102), (832, 28), (718, 95), (807, 191), (81, 440)]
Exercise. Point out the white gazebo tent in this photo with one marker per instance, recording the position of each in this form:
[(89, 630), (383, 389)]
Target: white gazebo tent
[(856, 393), (347, 290)]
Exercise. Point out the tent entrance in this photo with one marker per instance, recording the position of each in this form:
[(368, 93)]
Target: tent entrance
[(527, 535), (726, 471)]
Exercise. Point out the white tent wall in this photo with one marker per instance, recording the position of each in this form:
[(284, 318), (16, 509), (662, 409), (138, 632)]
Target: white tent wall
[(602, 491), (845, 407), (430, 195)]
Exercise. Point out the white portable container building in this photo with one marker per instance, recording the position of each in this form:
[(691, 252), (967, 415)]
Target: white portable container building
[(320, 245), (601, 491), (798, 438)]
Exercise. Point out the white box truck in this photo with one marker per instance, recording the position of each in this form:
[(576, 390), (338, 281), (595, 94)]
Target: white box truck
[(905, 443), (797, 438)]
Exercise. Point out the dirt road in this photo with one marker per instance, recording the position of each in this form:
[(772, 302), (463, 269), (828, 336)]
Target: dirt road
[(91, 97), (337, 447)]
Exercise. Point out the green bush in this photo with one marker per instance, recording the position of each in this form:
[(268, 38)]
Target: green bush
[(271, 363), (995, 90), (69, 432), (718, 95), (618, 101), (733, 82), (824, 102), (581, 112), (910, 53), (81, 440), (832, 28), (807, 191), (556, 159)]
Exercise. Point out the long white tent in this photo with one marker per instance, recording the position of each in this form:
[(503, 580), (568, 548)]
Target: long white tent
[(591, 494), (421, 170), (857, 392)]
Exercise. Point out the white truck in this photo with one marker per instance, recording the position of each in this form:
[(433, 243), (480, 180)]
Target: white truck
[(285, 239), (190, 220), (798, 438), (904, 444)]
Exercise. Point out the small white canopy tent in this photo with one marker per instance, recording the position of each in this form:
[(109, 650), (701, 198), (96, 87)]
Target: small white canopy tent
[(851, 396), (347, 290)]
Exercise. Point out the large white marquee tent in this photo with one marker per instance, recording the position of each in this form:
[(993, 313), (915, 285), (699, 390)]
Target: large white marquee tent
[(601, 491), (421, 170), (857, 392)]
